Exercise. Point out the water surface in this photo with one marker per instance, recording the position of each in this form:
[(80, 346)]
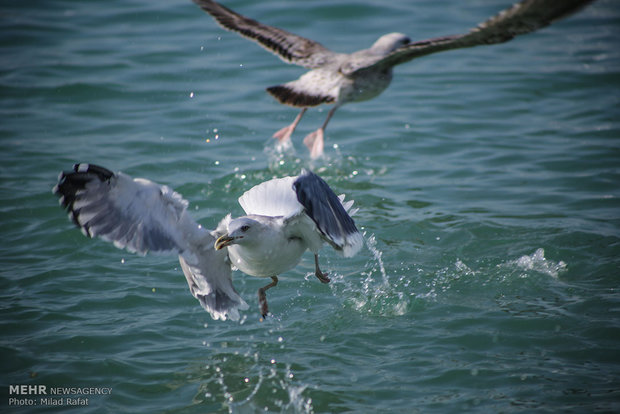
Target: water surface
[(487, 182)]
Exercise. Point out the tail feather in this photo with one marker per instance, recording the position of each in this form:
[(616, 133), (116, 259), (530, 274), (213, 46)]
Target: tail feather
[(287, 95)]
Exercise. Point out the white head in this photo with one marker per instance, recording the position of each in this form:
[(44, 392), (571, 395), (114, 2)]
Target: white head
[(242, 230), (390, 42)]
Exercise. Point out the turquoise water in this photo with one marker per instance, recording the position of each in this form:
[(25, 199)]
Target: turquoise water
[(488, 183)]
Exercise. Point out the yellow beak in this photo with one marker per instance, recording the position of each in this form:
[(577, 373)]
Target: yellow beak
[(223, 241)]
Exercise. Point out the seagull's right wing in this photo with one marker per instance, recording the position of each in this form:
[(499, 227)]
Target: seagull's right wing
[(142, 216), (523, 17), (288, 46), (135, 214)]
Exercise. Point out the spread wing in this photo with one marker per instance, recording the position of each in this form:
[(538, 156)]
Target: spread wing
[(308, 207), (523, 17), (273, 198), (138, 215), (288, 46), (329, 213), (142, 216)]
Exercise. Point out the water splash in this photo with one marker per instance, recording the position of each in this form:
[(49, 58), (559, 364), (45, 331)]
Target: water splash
[(281, 155), (374, 294), (538, 263), (371, 244), (245, 382), (456, 276), (297, 403)]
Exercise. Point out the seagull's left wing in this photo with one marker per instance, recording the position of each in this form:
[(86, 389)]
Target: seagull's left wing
[(328, 212), (523, 17), (273, 198), (288, 46)]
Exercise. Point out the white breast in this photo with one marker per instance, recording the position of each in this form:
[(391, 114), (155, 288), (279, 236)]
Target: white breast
[(268, 258)]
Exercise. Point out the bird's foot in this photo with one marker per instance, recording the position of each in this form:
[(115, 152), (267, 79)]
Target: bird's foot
[(322, 276), (262, 303), (315, 142), (262, 297), (284, 134), (317, 271)]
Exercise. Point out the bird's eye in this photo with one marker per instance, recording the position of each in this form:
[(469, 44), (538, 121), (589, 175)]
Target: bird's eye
[(245, 228)]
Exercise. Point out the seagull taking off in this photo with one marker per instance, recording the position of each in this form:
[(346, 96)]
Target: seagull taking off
[(284, 217), (339, 78)]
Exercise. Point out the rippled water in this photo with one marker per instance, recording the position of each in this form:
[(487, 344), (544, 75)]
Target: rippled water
[(487, 181)]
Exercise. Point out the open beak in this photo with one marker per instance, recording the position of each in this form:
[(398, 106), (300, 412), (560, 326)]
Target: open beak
[(223, 241)]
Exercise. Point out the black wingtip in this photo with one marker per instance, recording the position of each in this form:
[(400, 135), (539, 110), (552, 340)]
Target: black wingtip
[(70, 183), (313, 191)]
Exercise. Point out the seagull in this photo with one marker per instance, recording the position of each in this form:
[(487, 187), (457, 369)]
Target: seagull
[(339, 78), (284, 218)]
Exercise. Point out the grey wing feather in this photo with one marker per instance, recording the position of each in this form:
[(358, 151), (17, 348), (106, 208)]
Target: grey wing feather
[(288, 46), (142, 217), (325, 208), (523, 17), (138, 215), (209, 278)]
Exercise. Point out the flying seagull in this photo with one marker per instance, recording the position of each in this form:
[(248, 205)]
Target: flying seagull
[(339, 78), (284, 217)]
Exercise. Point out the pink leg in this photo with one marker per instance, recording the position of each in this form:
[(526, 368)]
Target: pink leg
[(285, 133), (315, 140)]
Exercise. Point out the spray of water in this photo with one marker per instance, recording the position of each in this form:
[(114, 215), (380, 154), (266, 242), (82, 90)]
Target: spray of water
[(373, 293)]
